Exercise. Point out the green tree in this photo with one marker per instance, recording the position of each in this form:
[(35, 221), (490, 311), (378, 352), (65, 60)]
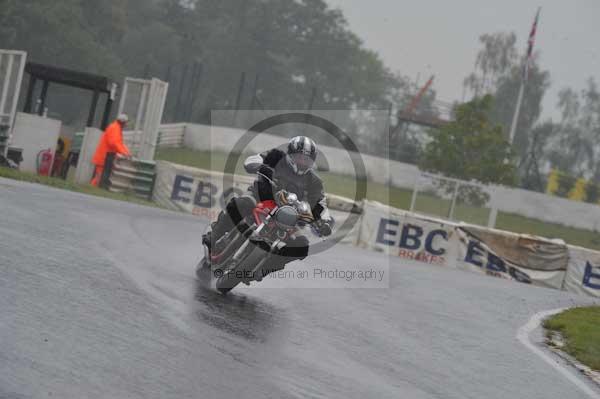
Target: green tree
[(572, 148), (56, 33), (471, 147), (504, 104), (493, 61), (294, 47), (498, 71), (537, 157)]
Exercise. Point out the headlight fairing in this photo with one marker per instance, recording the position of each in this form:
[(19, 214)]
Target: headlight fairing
[(286, 216)]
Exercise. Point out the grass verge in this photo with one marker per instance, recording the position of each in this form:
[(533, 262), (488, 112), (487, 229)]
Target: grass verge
[(68, 185), (401, 198), (580, 328)]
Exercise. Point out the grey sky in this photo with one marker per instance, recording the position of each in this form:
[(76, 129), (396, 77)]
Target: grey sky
[(441, 37)]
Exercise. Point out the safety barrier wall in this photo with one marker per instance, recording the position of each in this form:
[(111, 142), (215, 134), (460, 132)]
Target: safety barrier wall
[(523, 258), (130, 176), (583, 272)]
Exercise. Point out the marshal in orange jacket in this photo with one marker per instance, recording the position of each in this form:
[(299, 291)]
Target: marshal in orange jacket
[(111, 141)]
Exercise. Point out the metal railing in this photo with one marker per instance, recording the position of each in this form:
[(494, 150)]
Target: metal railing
[(171, 135), (129, 176), (453, 199)]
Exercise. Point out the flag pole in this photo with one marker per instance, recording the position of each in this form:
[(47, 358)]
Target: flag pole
[(513, 126), (524, 77)]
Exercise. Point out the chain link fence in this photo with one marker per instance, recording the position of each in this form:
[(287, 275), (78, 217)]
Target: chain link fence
[(453, 199)]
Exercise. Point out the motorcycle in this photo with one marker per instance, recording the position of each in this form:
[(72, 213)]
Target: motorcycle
[(245, 257)]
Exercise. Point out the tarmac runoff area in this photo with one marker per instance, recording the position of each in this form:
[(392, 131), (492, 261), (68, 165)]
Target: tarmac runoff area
[(100, 300)]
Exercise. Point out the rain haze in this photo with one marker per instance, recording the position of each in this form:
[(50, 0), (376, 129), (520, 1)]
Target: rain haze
[(420, 38), (273, 199)]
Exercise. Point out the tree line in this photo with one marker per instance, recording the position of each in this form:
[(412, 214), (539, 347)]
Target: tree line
[(478, 138), (288, 54), (285, 54)]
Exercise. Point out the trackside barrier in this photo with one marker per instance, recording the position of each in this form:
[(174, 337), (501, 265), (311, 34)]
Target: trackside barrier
[(524, 258), (171, 135), (583, 272), (406, 235), (130, 176)]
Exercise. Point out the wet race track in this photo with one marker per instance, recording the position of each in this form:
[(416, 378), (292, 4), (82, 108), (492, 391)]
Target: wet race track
[(99, 300)]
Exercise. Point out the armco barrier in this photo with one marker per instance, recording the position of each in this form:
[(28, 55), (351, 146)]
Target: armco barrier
[(520, 257), (129, 176), (171, 135)]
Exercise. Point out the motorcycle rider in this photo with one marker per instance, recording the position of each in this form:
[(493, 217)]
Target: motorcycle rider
[(293, 171)]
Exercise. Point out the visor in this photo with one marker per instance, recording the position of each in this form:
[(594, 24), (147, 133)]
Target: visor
[(302, 161)]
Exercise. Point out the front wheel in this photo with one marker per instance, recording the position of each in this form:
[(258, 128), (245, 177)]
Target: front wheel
[(244, 271), (203, 269)]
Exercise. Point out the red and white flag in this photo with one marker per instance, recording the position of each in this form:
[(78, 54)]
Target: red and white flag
[(530, 43)]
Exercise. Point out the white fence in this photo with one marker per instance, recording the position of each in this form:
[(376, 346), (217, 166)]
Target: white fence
[(171, 135), (453, 199)]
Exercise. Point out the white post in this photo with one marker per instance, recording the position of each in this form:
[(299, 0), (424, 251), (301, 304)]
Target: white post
[(21, 70), (6, 84), (123, 96), (492, 218), (85, 168), (155, 108), (413, 201), (513, 126), (453, 204), (138, 131)]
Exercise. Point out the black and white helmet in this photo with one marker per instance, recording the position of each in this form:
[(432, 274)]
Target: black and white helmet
[(301, 154)]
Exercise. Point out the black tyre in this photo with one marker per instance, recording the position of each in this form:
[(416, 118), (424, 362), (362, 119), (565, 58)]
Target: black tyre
[(203, 269), (229, 281)]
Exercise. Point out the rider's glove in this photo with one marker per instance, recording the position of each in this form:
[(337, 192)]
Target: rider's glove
[(324, 228), (281, 197), (266, 170)]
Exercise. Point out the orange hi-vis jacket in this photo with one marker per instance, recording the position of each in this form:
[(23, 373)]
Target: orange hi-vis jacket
[(111, 141)]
